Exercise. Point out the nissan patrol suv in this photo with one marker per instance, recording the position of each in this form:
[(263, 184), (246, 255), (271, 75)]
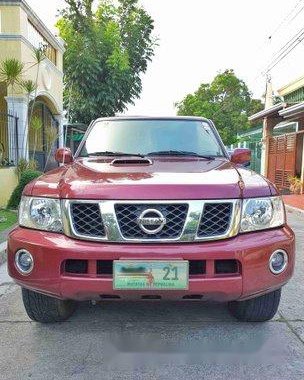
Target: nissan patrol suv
[(151, 208)]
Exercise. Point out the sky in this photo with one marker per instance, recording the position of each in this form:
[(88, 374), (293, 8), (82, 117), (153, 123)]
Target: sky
[(199, 38)]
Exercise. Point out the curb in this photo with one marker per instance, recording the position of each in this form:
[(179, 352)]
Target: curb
[(296, 210), (3, 252), (3, 243)]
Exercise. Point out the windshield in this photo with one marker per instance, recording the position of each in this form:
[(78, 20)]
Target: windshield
[(146, 137)]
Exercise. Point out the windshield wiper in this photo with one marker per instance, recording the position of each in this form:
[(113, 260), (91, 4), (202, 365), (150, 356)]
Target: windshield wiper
[(115, 154), (180, 153)]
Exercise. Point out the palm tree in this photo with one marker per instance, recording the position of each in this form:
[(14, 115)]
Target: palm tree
[(39, 55), (11, 73), (29, 87)]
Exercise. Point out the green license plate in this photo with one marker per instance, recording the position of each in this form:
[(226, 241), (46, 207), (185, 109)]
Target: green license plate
[(151, 274)]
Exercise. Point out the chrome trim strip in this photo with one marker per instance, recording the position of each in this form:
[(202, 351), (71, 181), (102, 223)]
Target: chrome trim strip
[(189, 232)]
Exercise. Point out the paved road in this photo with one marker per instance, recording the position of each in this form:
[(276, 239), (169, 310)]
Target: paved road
[(155, 340)]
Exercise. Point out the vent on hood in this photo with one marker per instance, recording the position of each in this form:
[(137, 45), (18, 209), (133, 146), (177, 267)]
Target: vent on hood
[(131, 161)]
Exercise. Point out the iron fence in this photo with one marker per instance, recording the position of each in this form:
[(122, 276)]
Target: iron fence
[(9, 140)]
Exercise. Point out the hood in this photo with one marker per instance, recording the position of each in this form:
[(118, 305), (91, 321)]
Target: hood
[(166, 178)]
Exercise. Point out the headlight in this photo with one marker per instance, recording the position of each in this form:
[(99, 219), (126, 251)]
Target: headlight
[(262, 213), (41, 214)]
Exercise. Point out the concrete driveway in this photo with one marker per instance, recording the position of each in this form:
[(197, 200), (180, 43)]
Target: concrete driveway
[(155, 340)]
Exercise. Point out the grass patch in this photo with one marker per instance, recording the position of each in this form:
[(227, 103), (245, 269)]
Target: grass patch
[(7, 219)]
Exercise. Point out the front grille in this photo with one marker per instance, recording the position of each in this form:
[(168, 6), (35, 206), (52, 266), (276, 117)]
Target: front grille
[(215, 220), (152, 221), (128, 214), (87, 220)]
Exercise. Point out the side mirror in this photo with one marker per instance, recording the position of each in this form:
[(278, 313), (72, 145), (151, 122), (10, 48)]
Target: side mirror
[(241, 156), (64, 156)]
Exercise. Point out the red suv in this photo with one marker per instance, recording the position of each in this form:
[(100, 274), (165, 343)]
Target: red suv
[(150, 209)]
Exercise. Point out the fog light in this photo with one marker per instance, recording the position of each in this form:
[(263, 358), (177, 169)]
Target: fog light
[(24, 262), (278, 261)]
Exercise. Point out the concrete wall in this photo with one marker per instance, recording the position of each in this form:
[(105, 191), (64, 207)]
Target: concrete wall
[(8, 182), (10, 19), (14, 43), (50, 81)]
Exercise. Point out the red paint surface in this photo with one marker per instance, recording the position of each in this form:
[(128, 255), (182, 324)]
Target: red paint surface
[(241, 156), (64, 156), (169, 178), (252, 250), (179, 178)]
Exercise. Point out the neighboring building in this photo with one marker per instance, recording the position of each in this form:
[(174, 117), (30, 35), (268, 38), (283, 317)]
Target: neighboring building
[(21, 31), (283, 133), (251, 140)]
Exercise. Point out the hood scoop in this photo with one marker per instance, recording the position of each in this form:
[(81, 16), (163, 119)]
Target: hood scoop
[(131, 161)]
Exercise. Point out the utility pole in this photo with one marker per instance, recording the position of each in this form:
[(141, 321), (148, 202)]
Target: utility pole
[(269, 92), (268, 104)]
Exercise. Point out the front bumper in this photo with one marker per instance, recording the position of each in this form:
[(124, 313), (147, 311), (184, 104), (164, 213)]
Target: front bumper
[(252, 250)]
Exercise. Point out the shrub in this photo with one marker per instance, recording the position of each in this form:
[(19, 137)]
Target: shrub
[(295, 185), (26, 177), (24, 165)]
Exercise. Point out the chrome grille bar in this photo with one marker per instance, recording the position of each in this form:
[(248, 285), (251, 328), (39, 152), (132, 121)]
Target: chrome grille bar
[(191, 232)]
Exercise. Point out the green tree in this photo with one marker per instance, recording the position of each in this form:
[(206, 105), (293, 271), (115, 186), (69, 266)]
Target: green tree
[(227, 101), (107, 50)]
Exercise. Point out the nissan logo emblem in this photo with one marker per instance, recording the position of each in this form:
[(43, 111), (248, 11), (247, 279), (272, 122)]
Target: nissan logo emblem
[(151, 221)]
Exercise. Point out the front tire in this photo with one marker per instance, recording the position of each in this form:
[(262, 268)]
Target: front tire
[(258, 309), (45, 309)]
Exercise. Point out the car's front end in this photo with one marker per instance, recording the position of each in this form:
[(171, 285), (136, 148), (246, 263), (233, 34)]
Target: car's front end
[(163, 227)]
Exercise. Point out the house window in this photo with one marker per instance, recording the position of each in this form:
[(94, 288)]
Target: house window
[(37, 40), (283, 128)]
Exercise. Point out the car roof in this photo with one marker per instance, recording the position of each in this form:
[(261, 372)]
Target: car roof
[(115, 118)]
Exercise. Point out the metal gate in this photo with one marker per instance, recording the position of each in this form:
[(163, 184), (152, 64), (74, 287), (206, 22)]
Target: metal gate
[(9, 144), (282, 156), (42, 145)]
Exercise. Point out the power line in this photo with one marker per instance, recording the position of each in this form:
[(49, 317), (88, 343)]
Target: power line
[(285, 19), (282, 53), (296, 41), (297, 14), (287, 45)]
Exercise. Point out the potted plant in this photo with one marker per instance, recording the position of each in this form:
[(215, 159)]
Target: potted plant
[(296, 185)]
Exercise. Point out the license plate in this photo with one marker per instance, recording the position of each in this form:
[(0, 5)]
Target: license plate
[(145, 275)]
